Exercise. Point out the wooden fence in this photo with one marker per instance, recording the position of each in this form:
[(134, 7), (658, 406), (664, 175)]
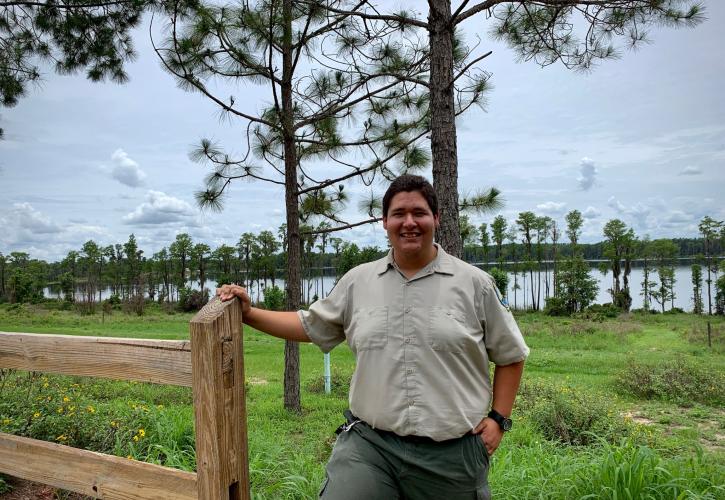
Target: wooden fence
[(211, 363)]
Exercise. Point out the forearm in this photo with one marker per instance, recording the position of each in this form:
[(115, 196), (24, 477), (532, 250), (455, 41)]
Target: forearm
[(283, 324), (505, 386)]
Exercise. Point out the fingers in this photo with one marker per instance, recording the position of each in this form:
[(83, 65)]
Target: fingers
[(227, 292), (479, 428)]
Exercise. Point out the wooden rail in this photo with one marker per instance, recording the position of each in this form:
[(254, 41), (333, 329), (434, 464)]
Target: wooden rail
[(211, 363)]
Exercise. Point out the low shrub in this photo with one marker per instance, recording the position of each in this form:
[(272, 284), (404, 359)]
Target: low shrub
[(675, 310), (601, 311), (680, 382), (136, 304), (192, 300), (570, 416), (274, 298), (339, 383), (4, 486), (556, 306)]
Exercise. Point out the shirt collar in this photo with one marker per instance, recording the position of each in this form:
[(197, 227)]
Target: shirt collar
[(443, 263)]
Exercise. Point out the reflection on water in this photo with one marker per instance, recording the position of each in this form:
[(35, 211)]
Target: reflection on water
[(321, 286)]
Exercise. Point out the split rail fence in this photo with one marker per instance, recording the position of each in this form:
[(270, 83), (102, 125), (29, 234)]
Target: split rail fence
[(211, 363)]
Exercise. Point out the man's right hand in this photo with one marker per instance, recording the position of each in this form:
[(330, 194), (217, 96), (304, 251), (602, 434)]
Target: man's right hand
[(228, 292)]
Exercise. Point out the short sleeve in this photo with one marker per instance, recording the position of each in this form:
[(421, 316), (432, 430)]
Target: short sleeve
[(504, 341), (323, 321)]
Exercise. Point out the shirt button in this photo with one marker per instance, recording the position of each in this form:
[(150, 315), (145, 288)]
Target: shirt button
[(407, 310), (407, 340), (411, 403), (409, 370), (407, 283)]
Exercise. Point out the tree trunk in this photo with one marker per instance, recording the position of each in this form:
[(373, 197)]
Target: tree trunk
[(443, 125), (294, 285)]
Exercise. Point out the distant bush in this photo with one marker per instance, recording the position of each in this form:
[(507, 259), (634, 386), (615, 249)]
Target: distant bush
[(136, 304), (675, 310), (600, 312), (681, 382), (192, 300), (570, 416), (556, 306), (608, 310), (339, 383), (114, 300), (274, 298), (501, 278), (642, 311)]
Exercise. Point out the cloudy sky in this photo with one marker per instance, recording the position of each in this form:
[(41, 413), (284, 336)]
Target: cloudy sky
[(641, 138)]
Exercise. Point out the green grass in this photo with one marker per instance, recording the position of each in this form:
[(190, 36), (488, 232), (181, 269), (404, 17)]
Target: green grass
[(635, 447)]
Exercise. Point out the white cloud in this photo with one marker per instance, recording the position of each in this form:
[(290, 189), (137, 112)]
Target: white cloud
[(591, 213), (160, 208), (24, 217), (690, 170), (551, 207), (639, 212), (125, 170), (587, 174)]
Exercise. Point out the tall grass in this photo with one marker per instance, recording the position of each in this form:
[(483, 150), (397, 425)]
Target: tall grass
[(571, 438)]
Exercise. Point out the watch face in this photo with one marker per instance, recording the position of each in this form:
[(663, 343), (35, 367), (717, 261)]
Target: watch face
[(506, 424)]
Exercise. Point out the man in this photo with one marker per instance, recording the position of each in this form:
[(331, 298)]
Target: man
[(423, 326)]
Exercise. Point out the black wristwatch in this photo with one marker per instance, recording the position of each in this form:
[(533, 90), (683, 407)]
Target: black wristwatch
[(503, 422)]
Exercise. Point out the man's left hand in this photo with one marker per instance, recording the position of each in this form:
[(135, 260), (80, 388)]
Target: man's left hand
[(490, 432)]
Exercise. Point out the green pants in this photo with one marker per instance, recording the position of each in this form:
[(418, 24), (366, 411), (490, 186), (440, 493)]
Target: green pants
[(372, 465)]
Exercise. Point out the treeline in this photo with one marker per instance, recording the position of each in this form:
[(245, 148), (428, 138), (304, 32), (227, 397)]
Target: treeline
[(547, 264), (544, 266), (168, 275)]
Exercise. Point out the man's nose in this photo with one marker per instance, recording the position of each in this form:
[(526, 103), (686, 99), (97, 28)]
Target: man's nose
[(408, 220)]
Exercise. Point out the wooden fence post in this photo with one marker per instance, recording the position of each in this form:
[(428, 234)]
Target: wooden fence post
[(222, 461)]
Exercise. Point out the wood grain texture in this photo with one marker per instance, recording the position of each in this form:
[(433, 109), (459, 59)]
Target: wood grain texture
[(93, 474), (157, 361), (218, 386)]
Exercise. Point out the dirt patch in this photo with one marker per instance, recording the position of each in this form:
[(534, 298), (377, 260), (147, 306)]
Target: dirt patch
[(637, 419), (28, 490)]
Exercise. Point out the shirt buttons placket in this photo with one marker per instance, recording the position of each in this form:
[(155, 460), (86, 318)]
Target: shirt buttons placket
[(409, 357)]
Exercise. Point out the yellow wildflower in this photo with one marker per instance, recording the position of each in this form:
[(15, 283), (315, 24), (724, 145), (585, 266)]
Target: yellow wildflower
[(114, 424), (90, 409), (45, 385), (142, 432), (36, 414), (62, 437), (60, 410), (66, 399), (135, 438), (129, 457), (6, 421)]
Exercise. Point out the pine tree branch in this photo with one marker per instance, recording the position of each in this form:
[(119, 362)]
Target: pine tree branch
[(361, 171), (341, 228), (379, 17)]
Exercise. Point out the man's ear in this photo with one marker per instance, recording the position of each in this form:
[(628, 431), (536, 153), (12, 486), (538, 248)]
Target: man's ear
[(385, 223), (437, 220)]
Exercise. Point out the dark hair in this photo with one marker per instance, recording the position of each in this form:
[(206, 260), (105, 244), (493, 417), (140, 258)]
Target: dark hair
[(408, 183)]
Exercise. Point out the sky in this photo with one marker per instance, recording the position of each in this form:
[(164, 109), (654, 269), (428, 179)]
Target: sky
[(641, 138)]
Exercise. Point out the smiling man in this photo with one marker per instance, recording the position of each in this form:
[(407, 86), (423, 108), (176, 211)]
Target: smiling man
[(424, 417)]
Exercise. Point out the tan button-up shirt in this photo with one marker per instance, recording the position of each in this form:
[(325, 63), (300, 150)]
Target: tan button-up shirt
[(422, 345)]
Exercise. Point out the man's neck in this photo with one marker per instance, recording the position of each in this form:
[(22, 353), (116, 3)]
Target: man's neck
[(410, 265)]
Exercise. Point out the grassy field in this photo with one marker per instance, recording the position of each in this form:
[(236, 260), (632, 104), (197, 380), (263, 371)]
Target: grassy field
[(628, 407)]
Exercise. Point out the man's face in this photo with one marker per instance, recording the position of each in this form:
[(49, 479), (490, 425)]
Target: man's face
[(410, 223)]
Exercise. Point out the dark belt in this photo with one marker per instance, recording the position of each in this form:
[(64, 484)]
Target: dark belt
[(351, 420)]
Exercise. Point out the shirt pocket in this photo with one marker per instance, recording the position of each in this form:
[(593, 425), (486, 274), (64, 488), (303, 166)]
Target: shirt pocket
[(369, 328), (446, 331)]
